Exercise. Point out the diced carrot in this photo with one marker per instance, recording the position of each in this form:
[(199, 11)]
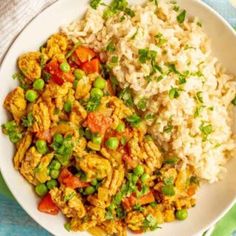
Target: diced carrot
[(148, 198), (129, 202), (75, 59), (68, 77), (97, 122), (191, 190), (46, 205), (92, 66), (70, 180), (84, 54)]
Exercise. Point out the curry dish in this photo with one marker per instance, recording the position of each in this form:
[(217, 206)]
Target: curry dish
[(85, 151)]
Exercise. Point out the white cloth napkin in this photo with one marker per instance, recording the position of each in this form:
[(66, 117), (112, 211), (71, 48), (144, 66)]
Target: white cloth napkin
[(14, 16)]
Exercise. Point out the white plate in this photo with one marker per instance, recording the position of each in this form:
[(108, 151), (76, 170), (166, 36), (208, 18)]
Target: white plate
[(212, 200)]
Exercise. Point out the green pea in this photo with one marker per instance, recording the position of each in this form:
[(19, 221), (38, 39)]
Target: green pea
[(168, 190), (96, 92), (79, 74), (89, 190), (31, 95), (138, 170), (120, 127), (181, 214), (96, 139), (65, 67), (134, 178), (112, 143), (145, 177), (99, 83), (41, 146), (94, 182), (58, 138), (118, 198), (55, 165), (51, 184), (67, 106), (54, 174), (38, 84), (41, 189)]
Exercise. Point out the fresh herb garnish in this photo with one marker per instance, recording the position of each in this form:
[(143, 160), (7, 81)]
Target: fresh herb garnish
[(118, 6), (142, 104), (18, 76), (181, 17), (28, 120), (76, 45), (110, 47), (95, 3), (160, 39), (11, 129), (150, 223), (63, 151), (234, 101), (199, 97), (173, 93), (146, 55), (134, 120), (126, 96), (93, 103)]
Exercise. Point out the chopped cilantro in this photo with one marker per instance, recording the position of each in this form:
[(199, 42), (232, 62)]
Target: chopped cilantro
[(114, 60), (18, 76), (69, 196), (142, 104), (149, 116), (28, 120), (63, 151), (93, 103), (173, 93), (206, 129), (199, 97), (117, 6), (95, 3), (234, 101), (120, 213), (135, 34), (11, 129), (198, 110), (171, 160), (111, 47), (134, 120), (181, 17), (138, 207), (146, 54), (150, 223), (109, 215), (169, 181), (172, 68), (45, 75), (160, 39), (168, 128), (126, 96), (67, 226)]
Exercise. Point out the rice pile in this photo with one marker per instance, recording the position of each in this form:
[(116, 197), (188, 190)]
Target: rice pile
[(168, 65)]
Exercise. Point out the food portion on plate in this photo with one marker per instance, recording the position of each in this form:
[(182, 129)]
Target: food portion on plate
[(120, 116)]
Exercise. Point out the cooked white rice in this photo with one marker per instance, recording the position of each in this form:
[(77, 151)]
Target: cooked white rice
[(203, 104)]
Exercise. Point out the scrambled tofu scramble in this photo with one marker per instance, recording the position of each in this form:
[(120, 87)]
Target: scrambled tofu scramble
[(85, 149)]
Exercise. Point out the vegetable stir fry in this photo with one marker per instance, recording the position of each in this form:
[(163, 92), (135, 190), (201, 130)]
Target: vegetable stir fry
[(86, 151)]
